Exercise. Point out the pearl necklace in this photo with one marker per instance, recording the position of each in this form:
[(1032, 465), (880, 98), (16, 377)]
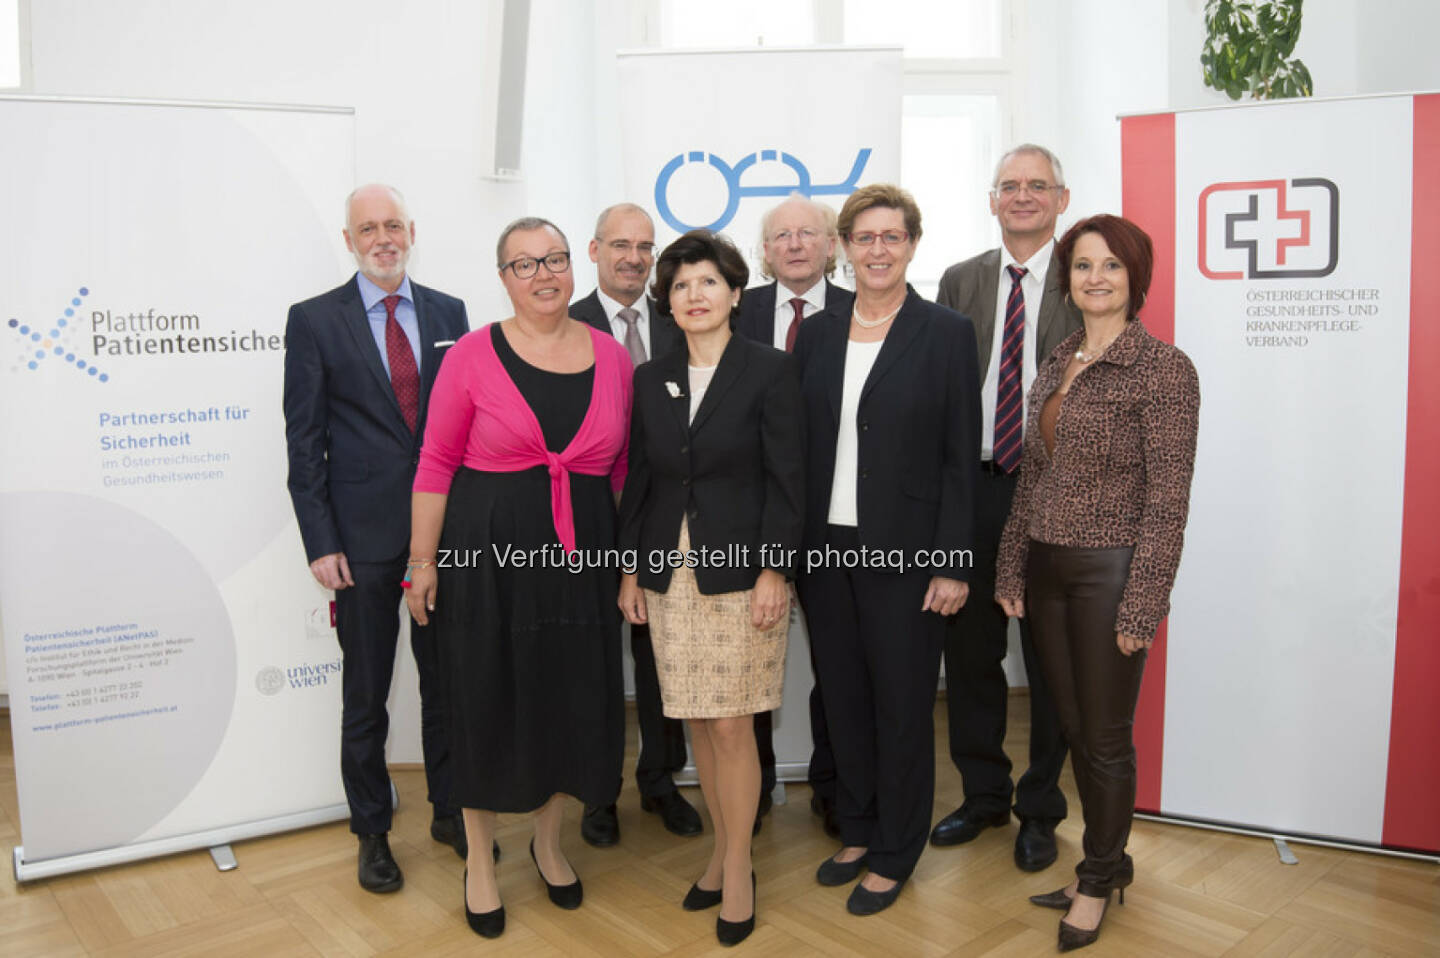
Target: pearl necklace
[(864, 323)]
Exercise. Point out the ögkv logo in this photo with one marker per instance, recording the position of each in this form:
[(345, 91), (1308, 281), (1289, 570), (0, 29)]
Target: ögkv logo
[(1270, 229), (732, 192)]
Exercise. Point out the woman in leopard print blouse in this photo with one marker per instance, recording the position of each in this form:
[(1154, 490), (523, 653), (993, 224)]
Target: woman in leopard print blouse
[(1094, 535)]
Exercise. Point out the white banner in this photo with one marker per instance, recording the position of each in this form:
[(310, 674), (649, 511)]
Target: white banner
[(725, 136), (172, 667), (1292, 296)]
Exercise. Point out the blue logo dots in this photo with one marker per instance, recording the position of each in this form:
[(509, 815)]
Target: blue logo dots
[(59, 349)]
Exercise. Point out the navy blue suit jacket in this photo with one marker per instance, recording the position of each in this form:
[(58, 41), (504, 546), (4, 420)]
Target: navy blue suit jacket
[(919, 431), (352, 457)]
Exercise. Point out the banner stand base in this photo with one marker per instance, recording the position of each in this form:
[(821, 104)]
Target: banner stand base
[(211, 839), (224, 858), (1279, 838)]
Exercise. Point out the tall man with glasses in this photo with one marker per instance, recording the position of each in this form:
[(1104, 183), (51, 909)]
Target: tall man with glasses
[(623, 252), (1015, 296), (799, 239), (359, 364)]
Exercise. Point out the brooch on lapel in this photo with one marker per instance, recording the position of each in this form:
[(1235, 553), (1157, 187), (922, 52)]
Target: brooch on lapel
[(673, 388)]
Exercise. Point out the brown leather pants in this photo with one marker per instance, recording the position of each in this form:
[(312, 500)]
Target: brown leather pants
[(1072, 596)]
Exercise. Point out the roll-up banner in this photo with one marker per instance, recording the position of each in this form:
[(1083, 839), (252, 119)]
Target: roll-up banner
[(726, 135), (173, 671), (1296, 244)]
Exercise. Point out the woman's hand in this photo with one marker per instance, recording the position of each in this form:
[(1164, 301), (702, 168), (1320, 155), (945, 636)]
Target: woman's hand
[(420, 597), (769, 600), (1130, 644), (632, 600), (945, 596), (1014, 608)]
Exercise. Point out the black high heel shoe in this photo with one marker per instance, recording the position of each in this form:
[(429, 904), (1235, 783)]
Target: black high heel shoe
[(700, 899), (566, 896), (1059, 900), (733, 932), (1071, 937), (487, 924)]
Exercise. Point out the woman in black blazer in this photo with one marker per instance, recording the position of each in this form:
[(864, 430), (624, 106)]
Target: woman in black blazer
[(892, 420), (712, 508)]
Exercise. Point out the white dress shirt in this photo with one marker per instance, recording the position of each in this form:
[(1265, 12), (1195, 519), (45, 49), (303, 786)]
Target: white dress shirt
[(1032, 285), (785, 313), (617, 325)]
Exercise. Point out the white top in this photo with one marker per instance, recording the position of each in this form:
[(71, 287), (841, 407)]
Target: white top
[(859, 358), (1032, 285), (617, 325), (785, 313), (700, 377)]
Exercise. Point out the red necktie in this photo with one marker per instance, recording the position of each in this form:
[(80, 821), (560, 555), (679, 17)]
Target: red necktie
[(404, 377), (1009, 395), (798, 305)]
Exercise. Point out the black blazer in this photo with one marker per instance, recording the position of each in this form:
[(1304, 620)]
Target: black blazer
[(919, 432), (665, 336), (736, 472), (757, 310), (352, 458)]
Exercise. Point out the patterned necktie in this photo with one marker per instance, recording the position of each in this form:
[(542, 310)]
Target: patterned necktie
[(404, 377), (633, 343), (1009, 396), (798, 305)]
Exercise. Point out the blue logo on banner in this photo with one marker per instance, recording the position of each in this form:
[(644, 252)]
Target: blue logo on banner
[(38, 343), (736, 192)]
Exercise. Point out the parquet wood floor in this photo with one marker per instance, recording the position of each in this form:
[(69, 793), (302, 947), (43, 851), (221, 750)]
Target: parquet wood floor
[(1197, 893)]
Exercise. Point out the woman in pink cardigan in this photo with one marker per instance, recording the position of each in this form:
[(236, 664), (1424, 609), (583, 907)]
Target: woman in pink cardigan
[(524, 451)]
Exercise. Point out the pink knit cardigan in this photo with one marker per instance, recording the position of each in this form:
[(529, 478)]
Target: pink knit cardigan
[(478, 417)]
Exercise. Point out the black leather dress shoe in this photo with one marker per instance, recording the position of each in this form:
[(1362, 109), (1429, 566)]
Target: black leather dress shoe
[(826, 810), (377, 868), (450, 830), (963, 825), (600, 826), (679, 816), (1035, 845), (863, 901), (730, 933), (699, 899), (832, 873), (761, 810)]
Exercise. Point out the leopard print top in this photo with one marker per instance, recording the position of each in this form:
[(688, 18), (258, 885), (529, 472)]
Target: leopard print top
[(1120, 473)]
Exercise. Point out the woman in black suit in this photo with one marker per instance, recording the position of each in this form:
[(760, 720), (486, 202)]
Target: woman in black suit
[(892, 420), (712, 506)]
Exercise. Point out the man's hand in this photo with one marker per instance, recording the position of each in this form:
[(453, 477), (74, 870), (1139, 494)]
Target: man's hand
[(332, 571)]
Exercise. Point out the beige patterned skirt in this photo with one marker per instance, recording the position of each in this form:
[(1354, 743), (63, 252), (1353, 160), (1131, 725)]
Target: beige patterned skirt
[(711, 662)]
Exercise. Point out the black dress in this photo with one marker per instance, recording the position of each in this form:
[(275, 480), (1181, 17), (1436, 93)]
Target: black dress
[(532, 648)]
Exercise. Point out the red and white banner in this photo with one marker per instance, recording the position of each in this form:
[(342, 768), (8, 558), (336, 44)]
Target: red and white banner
[(1294, 687)]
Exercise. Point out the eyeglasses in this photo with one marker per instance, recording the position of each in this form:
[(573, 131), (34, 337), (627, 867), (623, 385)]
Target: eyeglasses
[(805, 235), (889, 238), (525, 267), (1034, 187), (625, 248)]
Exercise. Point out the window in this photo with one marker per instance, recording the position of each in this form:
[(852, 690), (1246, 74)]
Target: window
[(956, 113)]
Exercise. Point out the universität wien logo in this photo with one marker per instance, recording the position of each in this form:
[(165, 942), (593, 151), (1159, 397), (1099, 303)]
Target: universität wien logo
[(42, 342), (1269, 229)]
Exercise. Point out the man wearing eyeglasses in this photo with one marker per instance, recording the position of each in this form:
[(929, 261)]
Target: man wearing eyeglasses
[(799, 241), (359, 364), (1015, 296), (623, 252)]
